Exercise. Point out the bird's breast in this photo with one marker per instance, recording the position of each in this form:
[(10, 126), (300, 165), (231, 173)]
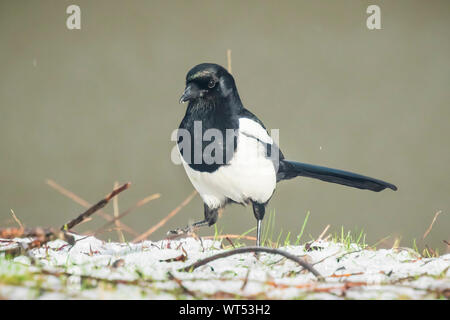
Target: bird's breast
[(207, 142), (249, 173)]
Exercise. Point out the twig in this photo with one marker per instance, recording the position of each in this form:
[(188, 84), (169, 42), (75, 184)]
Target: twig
[(10, 233), (323, 232), (116, 214), (40, 235), (17, 220), (223, 236), (345, 275), (128, 211), (229, 60), (289, 256), (43, 236), (180, 284), (230, 242), (244, 284), (396, 243), (86, 204), (231, 236), (147, 233), (69, 225), (334, 254), (431, 225)]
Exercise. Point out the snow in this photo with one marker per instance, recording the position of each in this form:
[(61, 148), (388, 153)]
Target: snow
[(94, 269)]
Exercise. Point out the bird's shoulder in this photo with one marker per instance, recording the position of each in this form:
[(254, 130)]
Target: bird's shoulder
[(252, 126), (247, 114)]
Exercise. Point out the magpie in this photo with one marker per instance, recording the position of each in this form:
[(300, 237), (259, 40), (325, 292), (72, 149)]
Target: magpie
[(243, 167)]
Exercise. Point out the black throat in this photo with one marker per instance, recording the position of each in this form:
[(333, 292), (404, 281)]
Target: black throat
[(209, 113)]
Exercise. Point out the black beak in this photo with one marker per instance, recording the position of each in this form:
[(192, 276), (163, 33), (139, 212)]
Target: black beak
[(187, 95)]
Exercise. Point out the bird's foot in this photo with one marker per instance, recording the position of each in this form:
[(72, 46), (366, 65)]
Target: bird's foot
[(181, 231)]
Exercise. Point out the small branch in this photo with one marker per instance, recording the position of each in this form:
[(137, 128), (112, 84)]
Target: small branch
[(11, 233), (128, 211), (147, 233), (431, 225), (231, 236), (40, 235), (244, 283), (180, 284), (44, 235), (229, 60), (230, 242), (285, 254), (69, 225), (86, 204), (17, 220), (116, 214), (323, 232), (345, 275)]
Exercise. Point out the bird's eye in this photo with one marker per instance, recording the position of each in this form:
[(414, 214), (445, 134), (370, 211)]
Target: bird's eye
[(211, 83)]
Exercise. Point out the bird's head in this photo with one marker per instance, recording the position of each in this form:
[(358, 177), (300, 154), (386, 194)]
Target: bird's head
[(208, 82)]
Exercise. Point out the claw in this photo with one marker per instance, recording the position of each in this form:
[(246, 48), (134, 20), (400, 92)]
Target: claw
[(179, 231)]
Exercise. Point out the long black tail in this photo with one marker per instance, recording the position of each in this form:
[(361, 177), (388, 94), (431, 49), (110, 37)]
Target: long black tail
[(292, 169)]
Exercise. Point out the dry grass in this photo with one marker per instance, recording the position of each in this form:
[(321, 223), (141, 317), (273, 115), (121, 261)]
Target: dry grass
[(163, 221)]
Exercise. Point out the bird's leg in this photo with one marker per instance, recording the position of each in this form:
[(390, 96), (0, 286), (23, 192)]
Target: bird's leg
[(259, 209), (258, 233), (210, 219)]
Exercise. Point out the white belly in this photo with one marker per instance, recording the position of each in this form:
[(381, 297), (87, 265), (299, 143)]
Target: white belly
[(248, 176)]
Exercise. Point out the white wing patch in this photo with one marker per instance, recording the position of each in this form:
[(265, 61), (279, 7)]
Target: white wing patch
[(254, 129), (250, 175)]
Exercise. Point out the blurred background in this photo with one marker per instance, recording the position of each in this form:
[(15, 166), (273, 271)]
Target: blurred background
[(93, 106)]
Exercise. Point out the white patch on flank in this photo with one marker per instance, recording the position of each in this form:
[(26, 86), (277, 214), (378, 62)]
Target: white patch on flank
[(249, 175)]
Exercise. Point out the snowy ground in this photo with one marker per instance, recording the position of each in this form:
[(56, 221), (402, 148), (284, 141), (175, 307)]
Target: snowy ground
[(94, 269)]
